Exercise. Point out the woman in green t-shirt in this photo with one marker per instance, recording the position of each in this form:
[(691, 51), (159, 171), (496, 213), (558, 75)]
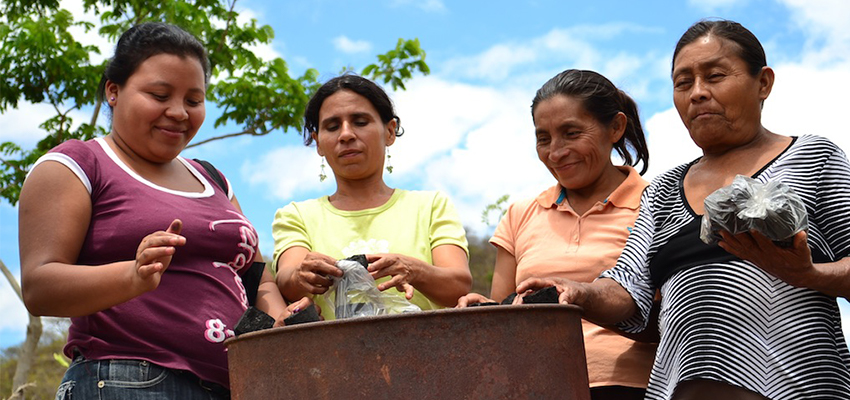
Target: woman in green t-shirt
[(413, 240)]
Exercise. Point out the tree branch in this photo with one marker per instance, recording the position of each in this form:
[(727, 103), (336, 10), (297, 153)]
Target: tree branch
[(96, 111), (12, 281), (229, 135), (34, 329), (17, 168), (226, 28)]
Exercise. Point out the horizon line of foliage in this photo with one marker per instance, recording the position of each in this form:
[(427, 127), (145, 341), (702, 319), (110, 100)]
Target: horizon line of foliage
[(41, 62)]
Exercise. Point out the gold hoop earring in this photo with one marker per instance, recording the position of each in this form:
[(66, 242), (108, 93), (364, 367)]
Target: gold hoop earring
[(389, 164), (322, 175)]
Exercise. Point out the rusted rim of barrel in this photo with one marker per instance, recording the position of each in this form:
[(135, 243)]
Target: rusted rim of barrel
[(419, 314)]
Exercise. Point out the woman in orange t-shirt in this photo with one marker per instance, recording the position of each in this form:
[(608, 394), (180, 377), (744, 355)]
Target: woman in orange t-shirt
[(577, 228)]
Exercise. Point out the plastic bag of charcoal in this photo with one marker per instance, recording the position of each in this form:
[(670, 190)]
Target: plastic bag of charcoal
[(356, 293), (747, 204)]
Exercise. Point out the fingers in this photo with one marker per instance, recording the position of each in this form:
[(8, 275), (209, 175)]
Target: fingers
[(518, 297), (321, 264), (299, 305), (162, 239), (532, 284), (408, 291), (470, 299), (397, 280), (379, 266), (151, 254), (148, 270)]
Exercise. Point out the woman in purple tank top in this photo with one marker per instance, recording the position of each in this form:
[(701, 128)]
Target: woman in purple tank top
[(137, 244)]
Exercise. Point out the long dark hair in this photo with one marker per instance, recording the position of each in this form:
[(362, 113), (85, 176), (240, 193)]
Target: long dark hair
[(602, 100)]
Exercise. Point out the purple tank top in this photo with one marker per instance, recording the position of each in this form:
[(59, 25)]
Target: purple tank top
[(183, 322)]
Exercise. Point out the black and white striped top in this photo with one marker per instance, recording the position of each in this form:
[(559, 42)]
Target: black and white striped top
[(729, 321)]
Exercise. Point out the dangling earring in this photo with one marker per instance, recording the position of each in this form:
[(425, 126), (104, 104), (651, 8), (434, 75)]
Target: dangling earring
[(322, 175), (389, 164)]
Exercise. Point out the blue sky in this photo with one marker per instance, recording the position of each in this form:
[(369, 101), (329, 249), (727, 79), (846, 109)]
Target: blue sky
[(468, 126)]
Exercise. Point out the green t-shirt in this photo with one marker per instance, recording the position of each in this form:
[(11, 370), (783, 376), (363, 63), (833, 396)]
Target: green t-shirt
[(411, 223)]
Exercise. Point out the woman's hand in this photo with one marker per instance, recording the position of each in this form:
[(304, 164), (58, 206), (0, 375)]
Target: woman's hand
[(314, 273), (295, 308), (793, 265), (569, 292), (154, 256), (404, 271), (472, 298)]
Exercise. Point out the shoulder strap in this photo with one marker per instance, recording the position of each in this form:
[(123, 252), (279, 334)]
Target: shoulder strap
[(213, 173), (251, 278)]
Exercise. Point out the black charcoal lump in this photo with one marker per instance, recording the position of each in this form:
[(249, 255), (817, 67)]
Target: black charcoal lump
[(747, 204)]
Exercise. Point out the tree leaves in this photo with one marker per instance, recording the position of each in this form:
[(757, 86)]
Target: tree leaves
[(399, 64), (41, 62)]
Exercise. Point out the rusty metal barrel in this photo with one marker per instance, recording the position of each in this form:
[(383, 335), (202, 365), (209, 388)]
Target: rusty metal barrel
[(496, 352)]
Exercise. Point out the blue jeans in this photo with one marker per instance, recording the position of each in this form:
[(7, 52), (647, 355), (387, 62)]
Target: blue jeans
[(133, 380)]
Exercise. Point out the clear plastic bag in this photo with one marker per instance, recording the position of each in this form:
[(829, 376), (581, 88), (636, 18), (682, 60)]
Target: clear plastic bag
[(772, 209), (356, 293)]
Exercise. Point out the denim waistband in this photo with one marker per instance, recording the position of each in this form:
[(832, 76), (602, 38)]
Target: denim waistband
[(209, 386)]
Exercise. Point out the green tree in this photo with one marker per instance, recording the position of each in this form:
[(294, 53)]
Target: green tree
[(42, 62)]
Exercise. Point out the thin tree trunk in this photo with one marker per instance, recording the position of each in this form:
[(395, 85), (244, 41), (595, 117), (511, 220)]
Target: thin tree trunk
[(27, 355)]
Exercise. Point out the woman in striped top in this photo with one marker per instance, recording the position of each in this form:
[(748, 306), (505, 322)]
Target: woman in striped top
[(743, 319)]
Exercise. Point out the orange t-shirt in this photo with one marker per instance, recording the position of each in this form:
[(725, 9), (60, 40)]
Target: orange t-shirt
[(551, 240)]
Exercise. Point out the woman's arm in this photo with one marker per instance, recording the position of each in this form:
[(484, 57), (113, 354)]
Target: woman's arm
[(504, 275), (443, 282), (54, 216)]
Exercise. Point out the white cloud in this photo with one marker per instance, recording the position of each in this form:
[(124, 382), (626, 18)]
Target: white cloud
[(825, 25), (346, 45), (475, 143), (808, 100), (542, 57), (300, 172), (21, 125)]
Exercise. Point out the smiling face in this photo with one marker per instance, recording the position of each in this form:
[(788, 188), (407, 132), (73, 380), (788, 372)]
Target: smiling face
[(574, 146), (715, 95), (352, 137), (160, 108)]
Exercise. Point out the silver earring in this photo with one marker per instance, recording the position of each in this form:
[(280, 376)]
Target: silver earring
[(389, 164), (322, 175)]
